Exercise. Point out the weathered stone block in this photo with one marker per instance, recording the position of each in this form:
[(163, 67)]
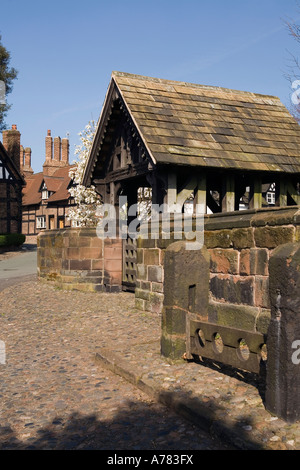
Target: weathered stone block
[(259, 261), (151, 256), (186, 278), (235, 316), (224, 261), (274, 216), (72, 253), (65, 264), (163, 243), (218, 239), (283, 341), (233, 289), (263, 320), (141, 270), (142, 294), (139, 303), (140, 256), (73, 240), (157, 287), (172, 347), (174, 320), (155, 273), (84, 241), (262, 292), (271, 237), (145, 285), (77, 264), (110, 252), (245, 262), (242, 238), (113, 265), (96, 242), (146, 243), (97, 263), (155, 304)]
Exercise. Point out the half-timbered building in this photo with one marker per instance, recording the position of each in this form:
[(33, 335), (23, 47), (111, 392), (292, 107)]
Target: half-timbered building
[(11, 184), (46, 197)]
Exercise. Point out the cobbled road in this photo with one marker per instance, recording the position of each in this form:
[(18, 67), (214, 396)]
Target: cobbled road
[(53, 393)]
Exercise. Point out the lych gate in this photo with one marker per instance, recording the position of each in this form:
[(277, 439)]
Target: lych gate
[(193, 146), (234, 157)]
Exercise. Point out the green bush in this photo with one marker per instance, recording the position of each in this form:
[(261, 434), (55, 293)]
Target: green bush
[(12, 239)]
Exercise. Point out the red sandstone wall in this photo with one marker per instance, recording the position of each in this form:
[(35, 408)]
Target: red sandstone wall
[(240, 245), (76, 258)]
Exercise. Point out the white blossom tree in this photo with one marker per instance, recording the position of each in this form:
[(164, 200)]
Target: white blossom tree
[(86, 213)]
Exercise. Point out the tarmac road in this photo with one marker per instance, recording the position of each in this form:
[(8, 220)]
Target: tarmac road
[(18, 266)]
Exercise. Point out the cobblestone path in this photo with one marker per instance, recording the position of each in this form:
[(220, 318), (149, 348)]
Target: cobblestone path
[(53, 393)]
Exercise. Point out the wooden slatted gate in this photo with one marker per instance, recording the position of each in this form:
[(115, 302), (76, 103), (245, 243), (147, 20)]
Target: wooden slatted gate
[(129, 265)]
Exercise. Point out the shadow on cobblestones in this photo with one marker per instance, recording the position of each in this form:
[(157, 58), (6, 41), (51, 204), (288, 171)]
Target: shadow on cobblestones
[(256, 380), (136, 427), (191, 407)]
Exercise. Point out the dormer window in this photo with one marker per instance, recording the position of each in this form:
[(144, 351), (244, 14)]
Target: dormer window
[(45, 192)]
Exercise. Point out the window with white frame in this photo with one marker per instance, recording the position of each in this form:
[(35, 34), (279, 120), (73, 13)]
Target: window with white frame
[(45, 192), (41, 222), (270, 198), (75, 223)]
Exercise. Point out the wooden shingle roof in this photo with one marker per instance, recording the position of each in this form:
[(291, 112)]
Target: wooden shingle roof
[(189, 124)]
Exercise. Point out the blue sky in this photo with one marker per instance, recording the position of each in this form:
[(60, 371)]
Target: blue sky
[(66, 50)]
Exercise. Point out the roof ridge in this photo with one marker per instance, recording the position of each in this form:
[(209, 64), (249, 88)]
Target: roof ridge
[(189, 84)]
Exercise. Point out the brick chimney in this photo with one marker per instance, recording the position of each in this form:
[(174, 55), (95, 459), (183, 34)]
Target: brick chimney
[(57, 149), (57, 154), (11, 142), (65, 150), (49, 146), (22, 155), (27, 170)]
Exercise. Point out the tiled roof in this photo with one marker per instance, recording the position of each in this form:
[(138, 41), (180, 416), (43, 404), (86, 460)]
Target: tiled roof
[(62, 193), (58, 183), (31, 194), (190, 124)]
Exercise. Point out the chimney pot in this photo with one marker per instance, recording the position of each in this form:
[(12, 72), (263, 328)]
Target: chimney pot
[(14, 127), (48, 132)]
